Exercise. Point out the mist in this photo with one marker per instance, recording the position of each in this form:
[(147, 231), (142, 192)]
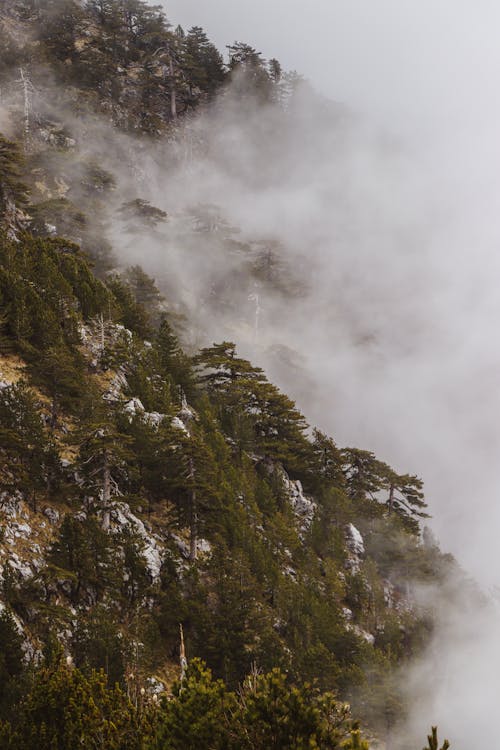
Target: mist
[(381, 196), (386, 207), (423, 232)]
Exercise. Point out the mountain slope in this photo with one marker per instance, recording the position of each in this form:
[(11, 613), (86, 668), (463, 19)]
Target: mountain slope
[(143, 487)]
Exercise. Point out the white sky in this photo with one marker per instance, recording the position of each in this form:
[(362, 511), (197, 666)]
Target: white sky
[(409, 63)]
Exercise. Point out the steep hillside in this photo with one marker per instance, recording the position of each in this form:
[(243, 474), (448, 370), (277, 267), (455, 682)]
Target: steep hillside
[(143, 488)]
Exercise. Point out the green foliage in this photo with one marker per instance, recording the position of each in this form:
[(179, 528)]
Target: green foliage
[(133, 315), (198, 714), (11, 662), (140, 213), (65, 709), (98, 644), (82, 549), (202, 63), (11, 185), (254, 584), (368, 479), (254, 412), (27, 455), (276, 715), (123, 39), (172, 360), (44, 284), (355, 742), (249, 72)]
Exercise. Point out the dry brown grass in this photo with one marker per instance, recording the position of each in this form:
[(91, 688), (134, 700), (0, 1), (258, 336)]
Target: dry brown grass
[(12, 368)]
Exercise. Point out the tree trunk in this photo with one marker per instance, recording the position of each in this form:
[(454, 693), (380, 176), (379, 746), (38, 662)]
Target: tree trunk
[(54, 414), (193, 526), (106, 494), (193, 533), (173, 90), (390, 501)]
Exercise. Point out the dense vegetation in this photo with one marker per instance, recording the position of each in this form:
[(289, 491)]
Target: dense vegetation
[(142, 487)]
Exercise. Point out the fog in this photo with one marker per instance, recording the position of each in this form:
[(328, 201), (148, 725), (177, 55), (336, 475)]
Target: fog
[(398, 332), (384, 208), (414, 66), (425, 234)]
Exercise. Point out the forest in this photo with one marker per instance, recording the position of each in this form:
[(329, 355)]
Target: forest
[(185, 562)]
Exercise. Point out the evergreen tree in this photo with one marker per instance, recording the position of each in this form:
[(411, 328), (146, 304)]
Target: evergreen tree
[(26, 452), (103, 461), (82, 550), (11, 662), (173, 362), (276, 715), (199, 713), (192, 476), (139, 213), (60, 372), (202, 63), (65, 709), (368, 479), (11, 186), (132, 314), (328, 462), (145, 291), (249, 72)]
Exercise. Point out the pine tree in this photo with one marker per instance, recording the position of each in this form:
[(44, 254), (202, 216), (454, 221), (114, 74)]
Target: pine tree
[(368, 479), (328, 463), (65, 709), (27, 455), (11, 662), (278, 715), (202, 63), (82, 550), (132, 314), (249, 72), (11, 186), (103, 461), (60, 372), (198, 714), (192, 476), (406, 497), (139, 214), (173, 362)]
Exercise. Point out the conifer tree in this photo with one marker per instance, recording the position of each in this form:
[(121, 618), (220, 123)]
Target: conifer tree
[(328, 463), (11, 662), (367, 478), (198, 714), (132, 314), (82, 550), (103, 460), (202, 63), (249, 71), (173, 362), (24, 447), (65, 709), (192, 475), (278, 715), (11, 186), (59, 370)]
